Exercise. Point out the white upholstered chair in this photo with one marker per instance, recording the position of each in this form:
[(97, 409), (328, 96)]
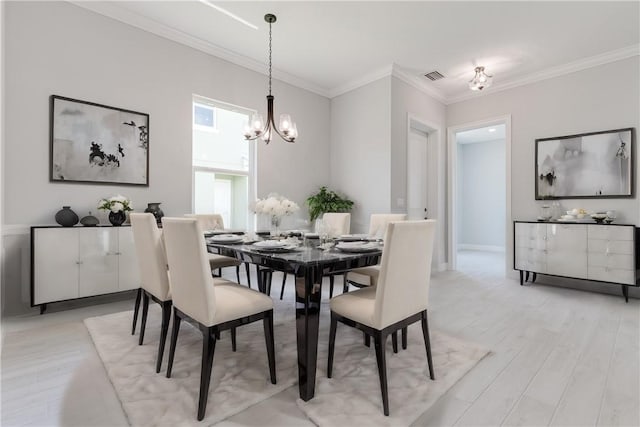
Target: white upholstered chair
[(217, 261), (152, 263), (226, 305), (400, 298), (338, 223), (368, 276)]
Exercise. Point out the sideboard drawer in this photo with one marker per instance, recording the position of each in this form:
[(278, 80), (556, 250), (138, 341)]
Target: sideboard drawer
[(613, 275), (625, 262), (611, 246), (610, 232)]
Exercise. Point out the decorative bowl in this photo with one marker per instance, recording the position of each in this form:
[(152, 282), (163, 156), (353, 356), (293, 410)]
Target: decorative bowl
[(599, 217)]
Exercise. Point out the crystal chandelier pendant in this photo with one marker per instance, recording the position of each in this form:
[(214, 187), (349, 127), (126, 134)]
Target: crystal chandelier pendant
[(481, 80)]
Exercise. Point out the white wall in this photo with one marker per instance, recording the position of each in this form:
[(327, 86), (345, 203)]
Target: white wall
[(408, 101), (360, 150), (59, 48), (482, 204), (599, 98)]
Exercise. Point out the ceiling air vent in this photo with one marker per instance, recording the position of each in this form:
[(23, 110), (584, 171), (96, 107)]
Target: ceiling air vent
[(434, 75)]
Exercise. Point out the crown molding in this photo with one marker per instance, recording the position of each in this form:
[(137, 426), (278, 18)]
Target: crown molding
[(561, 70), (361, 81), (417, 83), (113, 11)]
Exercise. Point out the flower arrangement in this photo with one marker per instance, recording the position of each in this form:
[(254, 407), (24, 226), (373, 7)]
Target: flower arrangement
[(276, 206), (115, 204)]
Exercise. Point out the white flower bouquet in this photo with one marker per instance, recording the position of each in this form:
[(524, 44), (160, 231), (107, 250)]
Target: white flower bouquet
[(275, 206), (115, 204)]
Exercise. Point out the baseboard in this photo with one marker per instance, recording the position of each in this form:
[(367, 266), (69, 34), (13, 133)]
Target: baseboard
[(486, 248)]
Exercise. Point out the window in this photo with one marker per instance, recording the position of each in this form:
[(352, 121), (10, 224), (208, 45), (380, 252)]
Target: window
[(204, 117), (223, 162)]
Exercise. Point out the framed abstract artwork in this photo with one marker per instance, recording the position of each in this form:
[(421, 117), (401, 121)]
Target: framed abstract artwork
[(589, 165), (94, 143)]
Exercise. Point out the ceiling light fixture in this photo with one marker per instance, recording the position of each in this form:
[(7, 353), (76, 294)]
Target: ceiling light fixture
[(481, 80), (288, 130), (492, 129), (229, 14)]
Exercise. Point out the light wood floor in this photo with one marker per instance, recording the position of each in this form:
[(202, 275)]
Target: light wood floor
[(558, 357)]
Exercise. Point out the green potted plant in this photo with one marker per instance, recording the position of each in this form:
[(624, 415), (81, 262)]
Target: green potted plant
[(327, 201)]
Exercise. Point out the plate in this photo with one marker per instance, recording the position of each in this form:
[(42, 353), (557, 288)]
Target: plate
[(227, 238), (270, 244), (353, 237), (358, 247)]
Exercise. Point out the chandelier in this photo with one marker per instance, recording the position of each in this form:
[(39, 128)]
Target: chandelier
[(257, 128), (481, 80)]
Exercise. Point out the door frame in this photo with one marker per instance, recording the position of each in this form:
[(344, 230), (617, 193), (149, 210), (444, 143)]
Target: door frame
[(436, 199), (452, 163)]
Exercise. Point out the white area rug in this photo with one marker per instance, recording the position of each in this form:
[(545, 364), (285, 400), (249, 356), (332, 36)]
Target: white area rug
[(353, 398), (239, 380)]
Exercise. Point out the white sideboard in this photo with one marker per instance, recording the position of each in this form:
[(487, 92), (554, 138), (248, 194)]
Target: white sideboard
[(78, 262), (598, 252)]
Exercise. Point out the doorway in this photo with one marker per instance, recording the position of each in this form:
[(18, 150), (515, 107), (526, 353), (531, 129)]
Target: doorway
[(479, 196), (425, 190)]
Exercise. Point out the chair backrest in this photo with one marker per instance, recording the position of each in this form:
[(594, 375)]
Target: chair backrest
[(338, 223), (191, 280), (208, 221), (378, 223), (405, 271), (152, 259)]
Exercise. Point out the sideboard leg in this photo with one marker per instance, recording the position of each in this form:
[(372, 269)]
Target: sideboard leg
[(526, 278), (521, 277), (43, 307), (533, 279), (625, 293)]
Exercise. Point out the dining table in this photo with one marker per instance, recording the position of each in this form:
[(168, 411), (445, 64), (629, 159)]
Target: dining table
[(308, 264)]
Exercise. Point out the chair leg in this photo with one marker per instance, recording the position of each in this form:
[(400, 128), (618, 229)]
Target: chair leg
[(331, 286), (380, 341), (174, 341), (145, 310), (208, 348), (136, 308), (404, 338), (332, 344), (238, 273), (246, 266), (268, 338), (166, 316), (394, 341), (367, 339), (284, 281), (427, 343), (233, 339), (345, 285)]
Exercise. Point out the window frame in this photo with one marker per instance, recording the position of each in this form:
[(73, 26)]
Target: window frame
[(252, 171)]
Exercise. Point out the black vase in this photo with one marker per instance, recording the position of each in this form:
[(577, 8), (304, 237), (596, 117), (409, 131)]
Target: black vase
[(89, 220), (66, 217), (117, 218), (154, 208)]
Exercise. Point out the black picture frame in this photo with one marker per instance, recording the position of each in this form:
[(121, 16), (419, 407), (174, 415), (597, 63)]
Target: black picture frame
[(97, 144), (594, 165)]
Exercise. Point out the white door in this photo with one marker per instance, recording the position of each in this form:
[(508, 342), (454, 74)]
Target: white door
[(417, 188), (567, 250), (128, 270), (55, 265), (98, 261)]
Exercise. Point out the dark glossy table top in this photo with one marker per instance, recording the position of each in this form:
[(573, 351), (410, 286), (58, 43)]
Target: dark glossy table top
[(302, 255)]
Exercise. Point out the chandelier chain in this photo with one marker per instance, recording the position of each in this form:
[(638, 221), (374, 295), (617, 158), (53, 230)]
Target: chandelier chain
[(269, 58)]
